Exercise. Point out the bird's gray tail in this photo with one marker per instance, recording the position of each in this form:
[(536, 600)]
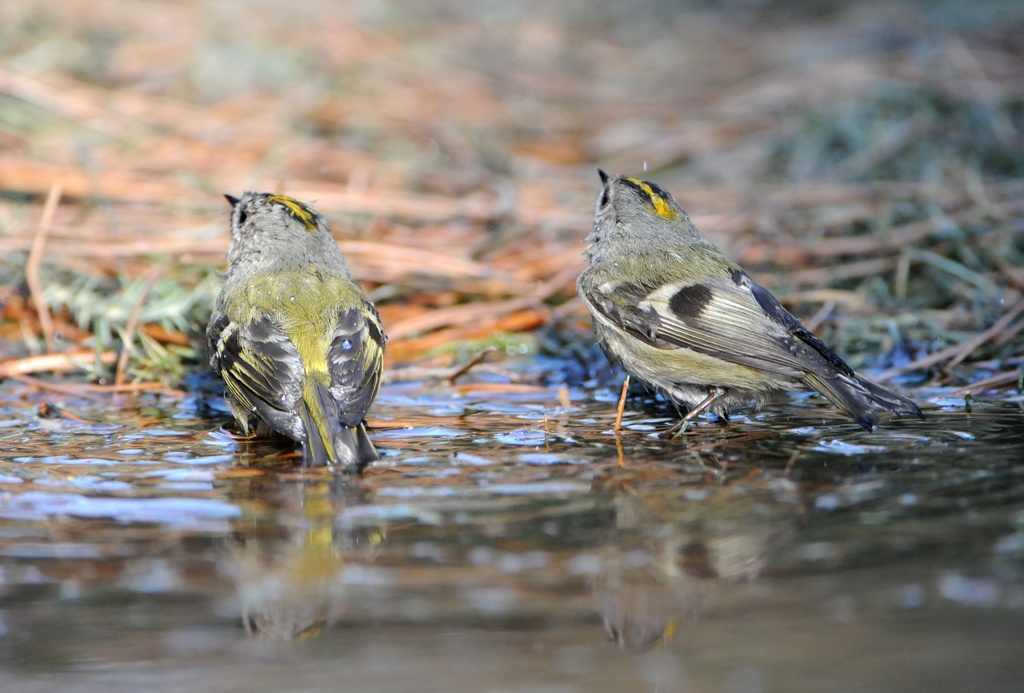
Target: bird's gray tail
[(858, 396), (354, 449), (327, 441)]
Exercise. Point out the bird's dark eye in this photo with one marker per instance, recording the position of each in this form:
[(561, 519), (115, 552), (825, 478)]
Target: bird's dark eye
[(604, 198), (242, 216)]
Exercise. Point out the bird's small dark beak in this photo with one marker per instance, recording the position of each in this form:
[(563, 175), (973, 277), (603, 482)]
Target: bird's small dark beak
[(232, 199), (604, 176)]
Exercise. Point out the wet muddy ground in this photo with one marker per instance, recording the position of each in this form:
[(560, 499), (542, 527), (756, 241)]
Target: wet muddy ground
[(508, 541)]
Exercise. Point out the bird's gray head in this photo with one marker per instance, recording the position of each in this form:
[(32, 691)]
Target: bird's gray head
[(269, 230), (637, 209), (266, 214)]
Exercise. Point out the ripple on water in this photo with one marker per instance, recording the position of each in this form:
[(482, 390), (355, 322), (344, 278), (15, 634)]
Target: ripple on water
[(546, 459), (844, 448), (96, 483), (465, 458), (418, 432), (194, 513), (522, 436), (199, 460), (68, 460), (539, 488)]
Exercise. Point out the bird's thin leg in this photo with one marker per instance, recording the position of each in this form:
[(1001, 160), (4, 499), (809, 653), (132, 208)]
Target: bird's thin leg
[(713, 396), (622, 405)]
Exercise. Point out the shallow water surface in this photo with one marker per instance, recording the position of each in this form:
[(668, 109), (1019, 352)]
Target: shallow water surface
[(507, 542)]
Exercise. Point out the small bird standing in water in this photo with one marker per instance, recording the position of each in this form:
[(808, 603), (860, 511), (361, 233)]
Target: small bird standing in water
[(682, 317), (292, 335)]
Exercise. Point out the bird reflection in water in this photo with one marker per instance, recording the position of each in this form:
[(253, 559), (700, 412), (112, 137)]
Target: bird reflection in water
[(680, 549), (288, 561)]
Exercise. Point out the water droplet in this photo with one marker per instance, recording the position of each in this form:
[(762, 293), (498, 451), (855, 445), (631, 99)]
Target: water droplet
[(292, 299)]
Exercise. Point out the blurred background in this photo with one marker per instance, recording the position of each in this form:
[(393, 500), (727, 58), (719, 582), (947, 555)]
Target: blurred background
[(864, 160)]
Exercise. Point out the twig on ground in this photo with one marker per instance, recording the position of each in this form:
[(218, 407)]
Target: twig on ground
[(35, 258), (472, 362), (133, 320)]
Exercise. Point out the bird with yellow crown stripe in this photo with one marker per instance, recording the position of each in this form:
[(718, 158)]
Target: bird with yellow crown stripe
[(297, 343), (685, 319)]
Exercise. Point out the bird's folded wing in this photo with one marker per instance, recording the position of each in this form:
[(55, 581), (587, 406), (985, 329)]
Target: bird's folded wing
[(260, 366), (355, 360), (729, 317)]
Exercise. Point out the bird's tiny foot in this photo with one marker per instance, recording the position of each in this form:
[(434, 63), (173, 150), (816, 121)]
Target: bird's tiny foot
[(677, 430), (232, 430)]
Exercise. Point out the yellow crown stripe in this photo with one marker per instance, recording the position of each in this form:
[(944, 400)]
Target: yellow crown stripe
[(661, 206), (298, 210), (313, 630)]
